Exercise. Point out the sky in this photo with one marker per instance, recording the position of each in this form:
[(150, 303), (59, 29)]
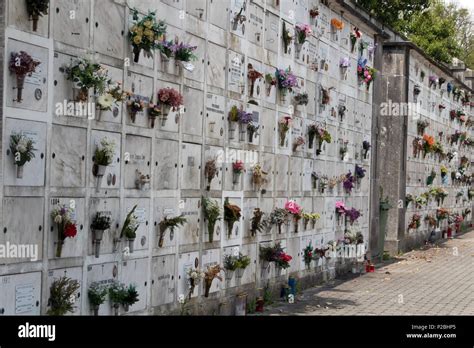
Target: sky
[(466, 3)]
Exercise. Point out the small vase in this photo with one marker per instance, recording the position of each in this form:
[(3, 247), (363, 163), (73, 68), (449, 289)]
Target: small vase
[(133, 115), (136, 53), (283, 96), (19, 172), (240, 273), (152, 121), (282, 140), (164, 118), (210, 230), (98, 236), (235, 178), (192, 285), (207, 287), (20, 82), (230, 227), (131, 242), (35, 19), (311, 141), (250, 135)]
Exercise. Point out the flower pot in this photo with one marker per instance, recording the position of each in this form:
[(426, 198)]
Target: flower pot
[(19, 172), (235, 178), (20, 82), (136, 53), (131, 242)]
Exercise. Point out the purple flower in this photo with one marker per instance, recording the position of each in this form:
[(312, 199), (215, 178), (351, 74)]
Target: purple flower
[(245, 117), (344, 62), (348, 183), (353, 214), (286, 79)]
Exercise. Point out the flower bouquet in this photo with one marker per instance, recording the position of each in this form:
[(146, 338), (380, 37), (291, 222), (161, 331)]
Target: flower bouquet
[(104, 103), (295, 210), (252, 130), (365, 148), (96, 295), (259, 177), (344, 64), (195, 275), (322, 136), (303, 31), (365, 73), (271, 81), (301, 98), (417, 146), (103, 156), (135, 104), (359, 173), (341, 110), (299, 141), (166, 52), (308, 255), (354, 36), (441, 214), (428, 144), (232, 214), (145, 34), (183, 54), (253, 75), (212, 213), (431, 177), (61, 216), (154, 111), (415, 222), (286, 36), (130, 227), (100, 224), (210, 171), (307, 217), (233, 120), (62, 295), (416, 92), (313, 13), (23, 151), (274, 254), (352, 214), (236, 263), (237, 170), (286, 82), (284, 126), (36, 9), (312, 131), (278, 217), (141, 179), (257, 223), (245, 118), (421, 126), (348, 182), (343, 149), (432, 81), (337, 24), (171, 224), (22, 64), (86, 75), (168, 99), (340, 210), (211, 273)]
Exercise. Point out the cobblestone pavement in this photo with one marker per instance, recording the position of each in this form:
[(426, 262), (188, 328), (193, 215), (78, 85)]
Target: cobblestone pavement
[(434, 280)]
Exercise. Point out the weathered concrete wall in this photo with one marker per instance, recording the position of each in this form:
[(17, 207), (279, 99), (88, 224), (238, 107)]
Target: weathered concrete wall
[(174, 155)]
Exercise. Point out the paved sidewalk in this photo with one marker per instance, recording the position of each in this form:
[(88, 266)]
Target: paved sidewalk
[(437, 280)]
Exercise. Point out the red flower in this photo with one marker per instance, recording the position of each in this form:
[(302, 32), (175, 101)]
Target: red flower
[(70, 231)]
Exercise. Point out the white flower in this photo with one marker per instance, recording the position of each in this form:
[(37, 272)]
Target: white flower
[(82, 67), (20, 148), (58, 219), (105, 101), (181, 298), (194, 275)]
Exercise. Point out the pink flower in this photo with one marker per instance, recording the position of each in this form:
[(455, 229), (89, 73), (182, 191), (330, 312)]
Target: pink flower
[(369, 77), (292, 207), (359, 68), (340, 207)]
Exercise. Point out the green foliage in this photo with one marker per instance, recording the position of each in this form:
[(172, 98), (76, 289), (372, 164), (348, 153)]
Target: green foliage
[(100, 222), (21, 148), (130, 226), (174, 222), (232, 263), (251, 306), (97, 294), (61, 293)]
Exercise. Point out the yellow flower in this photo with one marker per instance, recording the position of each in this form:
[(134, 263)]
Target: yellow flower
[(137, 39), (140, 31), (134, 29), (148, 33), (148, 24)]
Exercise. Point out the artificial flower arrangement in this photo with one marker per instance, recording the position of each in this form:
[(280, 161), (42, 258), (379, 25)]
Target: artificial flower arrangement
[(428, 144), (103, 156), (166, 49), (284, 126), (417, 145), (195, 275), (259, 177), (35, 10), (313, 13), (130, 227), (184, 54), (22, 65), (145, 34), (62, 295), (441, 214), (295, 210), (416, 92), (233, 118), (440, 194), (237, 263), (431, 177), (303, 31), (344, 64), (275, 254), (365, 73), (459, 195), (441, 81), (354, 36), (210, 172), (286, 81), (340, 210), (409, 199), (212, 213), (238, 18), (420, 201), (257, 222), (337, 24), (421, 126), (432, 81), (253, 75), (96, 295), (301, 98), (154, 111), (252, 130), (245, 118), (322, 136), (415, 222), (61, 216), (348, 182), (23, 151), (365, 148), (121, 295), (135, 104), (430, 220), (278, 217), (359, 173), (104, 103), (171, 224), (286, 37), (168, 99), (210, 274), (325, 95), (271, 81), (237, 170), (308, 255), (343, 149), (100, 224), (86, 75), (353, 236), (307, 217), (352, 214), (341, 111), (299, 141), (232, 214)]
